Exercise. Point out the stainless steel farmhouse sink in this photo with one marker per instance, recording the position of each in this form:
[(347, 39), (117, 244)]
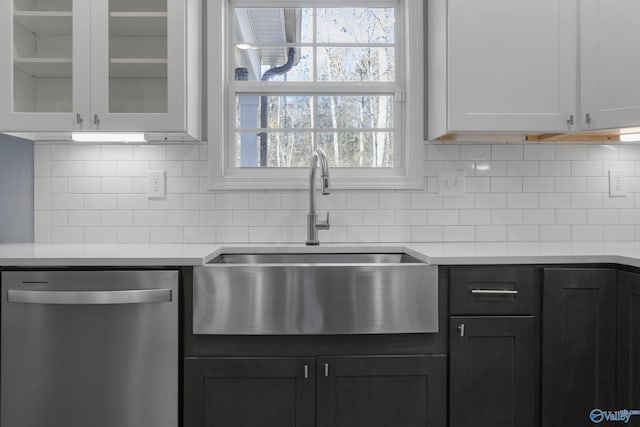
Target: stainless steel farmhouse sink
[(315, 293)]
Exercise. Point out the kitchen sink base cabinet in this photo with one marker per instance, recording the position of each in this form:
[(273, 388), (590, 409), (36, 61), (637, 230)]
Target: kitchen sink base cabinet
[(349, 391)]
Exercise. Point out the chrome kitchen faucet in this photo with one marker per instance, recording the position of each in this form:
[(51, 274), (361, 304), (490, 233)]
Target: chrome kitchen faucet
[(312, 217)]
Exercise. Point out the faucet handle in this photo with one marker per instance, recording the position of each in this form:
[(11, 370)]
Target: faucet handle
[(324, 225)]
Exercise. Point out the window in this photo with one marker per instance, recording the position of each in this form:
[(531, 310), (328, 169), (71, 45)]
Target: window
[(287, 77)]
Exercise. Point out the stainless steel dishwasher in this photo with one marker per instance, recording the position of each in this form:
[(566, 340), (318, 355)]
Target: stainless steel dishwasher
[(89, 348)]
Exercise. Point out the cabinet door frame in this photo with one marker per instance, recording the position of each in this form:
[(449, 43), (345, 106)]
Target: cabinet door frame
[(526, 361), (13, 121), (175, 117), (433, 367), (592, 48), (628, 288), (461, 56), (196, 369)]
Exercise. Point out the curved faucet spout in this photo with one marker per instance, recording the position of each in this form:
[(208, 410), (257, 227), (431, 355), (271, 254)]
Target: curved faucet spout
[(312, 225)]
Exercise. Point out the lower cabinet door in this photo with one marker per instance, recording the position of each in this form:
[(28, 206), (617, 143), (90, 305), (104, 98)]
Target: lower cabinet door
[(578, 345), (382, 391), (494, 371), (628, 339), (249, 392)]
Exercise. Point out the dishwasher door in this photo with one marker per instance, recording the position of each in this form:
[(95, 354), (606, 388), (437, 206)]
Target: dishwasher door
[(89, 348)]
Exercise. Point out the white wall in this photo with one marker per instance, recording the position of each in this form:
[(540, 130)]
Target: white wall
[(531, 192)]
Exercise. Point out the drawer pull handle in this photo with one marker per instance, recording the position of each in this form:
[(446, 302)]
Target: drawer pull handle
[(306, 371), (461, 329), (493, 292)]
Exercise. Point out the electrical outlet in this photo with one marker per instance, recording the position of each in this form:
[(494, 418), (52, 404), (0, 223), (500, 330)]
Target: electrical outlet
[(451, 183), (156, 184), (617, 183)]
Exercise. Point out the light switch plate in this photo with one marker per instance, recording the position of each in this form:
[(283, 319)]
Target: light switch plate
[(451, 183), (156, 187), (617, 183)]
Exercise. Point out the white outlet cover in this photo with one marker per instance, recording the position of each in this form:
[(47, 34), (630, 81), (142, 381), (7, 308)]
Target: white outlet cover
[(156, 184), (617, 187), (451, 183)]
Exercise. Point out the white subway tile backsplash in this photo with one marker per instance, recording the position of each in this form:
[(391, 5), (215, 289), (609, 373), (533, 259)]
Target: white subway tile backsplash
[(252, 218), (397, 233), (475, 152), (506, 216), (149, 152), (491, 233), (67, 201), (538, 184), (83, 152), (586, 168), (539, 151), (506, 185), (166, 235), (555, 233), (507, 152), (539, 216), (83, 185), (555, 168), (571, 184), (106, 168), (571, 151), (523, 168), (517, 193), (602, 152), (116, 152), (100, 201)]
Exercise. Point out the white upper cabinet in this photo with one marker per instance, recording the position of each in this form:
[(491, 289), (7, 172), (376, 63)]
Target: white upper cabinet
[(512, 66), (101, 65), (610, 63)]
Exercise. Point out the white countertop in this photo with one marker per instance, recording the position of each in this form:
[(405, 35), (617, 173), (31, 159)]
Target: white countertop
[(67, 255)]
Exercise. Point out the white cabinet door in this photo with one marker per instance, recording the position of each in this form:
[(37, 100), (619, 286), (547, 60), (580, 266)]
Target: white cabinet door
[(610, 63), (44, 79), (138, 57), (511, 65)]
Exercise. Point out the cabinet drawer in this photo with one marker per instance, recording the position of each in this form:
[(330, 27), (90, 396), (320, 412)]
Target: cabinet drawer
[(499, 290)]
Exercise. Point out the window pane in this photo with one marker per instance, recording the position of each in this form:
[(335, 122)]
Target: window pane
[(358, 149), (365, 111), (282, 112), (273, 25), (356, 64), (356, 25), (280, 149)]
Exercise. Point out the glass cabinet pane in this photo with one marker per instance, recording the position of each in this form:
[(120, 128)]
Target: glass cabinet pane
[(42, 55), (138, 56)]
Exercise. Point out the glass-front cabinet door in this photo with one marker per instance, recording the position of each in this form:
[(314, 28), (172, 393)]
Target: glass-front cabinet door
[(44, 73), (138, 65)]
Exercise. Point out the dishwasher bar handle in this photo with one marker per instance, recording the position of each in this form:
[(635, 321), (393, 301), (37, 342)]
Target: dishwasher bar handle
[(493, 292), (138, 296)]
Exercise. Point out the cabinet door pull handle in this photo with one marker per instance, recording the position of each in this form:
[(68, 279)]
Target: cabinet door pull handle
[(96, 120), (326, 369), (461, 329), (570, 120), (493, 292), (306, 371), (79, 119)]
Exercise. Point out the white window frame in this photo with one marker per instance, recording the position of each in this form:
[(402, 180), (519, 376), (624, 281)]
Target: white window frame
[(409, 104)]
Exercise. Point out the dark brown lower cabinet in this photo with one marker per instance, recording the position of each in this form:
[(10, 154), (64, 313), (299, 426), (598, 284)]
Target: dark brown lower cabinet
[(380, 391), (249, 392), (345, 391), (629, 343), (494, 371), (578, 344)]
